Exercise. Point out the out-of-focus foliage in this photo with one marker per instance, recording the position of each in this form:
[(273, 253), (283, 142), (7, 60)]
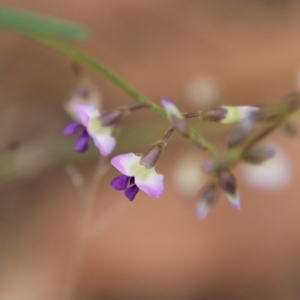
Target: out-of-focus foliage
[(31, 23)]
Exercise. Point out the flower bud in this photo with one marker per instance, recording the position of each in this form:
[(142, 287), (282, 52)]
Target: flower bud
[(259, 154), (241, 132), (150, 158), (215, 114), (230, 114), (176, 118), (111, 117), (229, 185), (207, 199), (209, 166)]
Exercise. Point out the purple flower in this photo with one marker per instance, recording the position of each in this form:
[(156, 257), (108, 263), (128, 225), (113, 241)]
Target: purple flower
[(136, 176), (90, 127)]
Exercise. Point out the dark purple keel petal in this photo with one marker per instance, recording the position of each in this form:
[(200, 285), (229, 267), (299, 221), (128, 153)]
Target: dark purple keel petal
[(131, 192), (72, 128), (131, 180), (82, 143), (120, 183)]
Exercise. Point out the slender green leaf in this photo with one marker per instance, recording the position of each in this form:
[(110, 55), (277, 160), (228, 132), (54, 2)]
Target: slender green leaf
[(27, 22)]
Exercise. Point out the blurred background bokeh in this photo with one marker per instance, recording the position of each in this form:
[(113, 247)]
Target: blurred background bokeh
[(199, 54)]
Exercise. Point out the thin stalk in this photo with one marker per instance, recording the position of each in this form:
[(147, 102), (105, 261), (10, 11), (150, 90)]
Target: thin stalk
[(137, 107), (234, 155), (168, 134), (85, 226), (81, 57)]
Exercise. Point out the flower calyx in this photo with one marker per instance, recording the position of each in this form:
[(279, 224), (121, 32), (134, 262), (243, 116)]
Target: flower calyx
[(112, 117)]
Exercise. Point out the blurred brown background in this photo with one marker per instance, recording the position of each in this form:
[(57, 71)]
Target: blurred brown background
[(148, 249)]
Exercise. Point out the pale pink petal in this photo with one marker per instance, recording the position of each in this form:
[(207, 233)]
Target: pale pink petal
[(86, 112), (152, 184), (125, 163), (105, 143)]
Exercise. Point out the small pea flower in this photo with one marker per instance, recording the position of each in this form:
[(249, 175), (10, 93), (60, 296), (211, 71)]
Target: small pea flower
[(90, 126), (139, 173), (176, 118)]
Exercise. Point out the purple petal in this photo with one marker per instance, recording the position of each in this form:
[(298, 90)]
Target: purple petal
[(82, 143), (120, 183), (131, 192), (72, 128)]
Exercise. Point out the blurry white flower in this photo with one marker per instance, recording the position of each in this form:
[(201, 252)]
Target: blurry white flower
[(187, 175), (273, 175), (203, 92), (84, 93)]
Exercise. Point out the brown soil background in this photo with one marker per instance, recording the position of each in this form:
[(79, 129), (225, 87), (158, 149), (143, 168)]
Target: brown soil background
[(153, 249)]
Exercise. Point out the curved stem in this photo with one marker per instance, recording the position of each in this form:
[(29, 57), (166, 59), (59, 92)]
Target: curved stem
[(81, 57), (234, 155)]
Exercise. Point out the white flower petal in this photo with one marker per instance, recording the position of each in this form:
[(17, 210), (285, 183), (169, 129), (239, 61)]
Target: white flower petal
[(273, 175), (126, 163), (86, 112), (150, 182)]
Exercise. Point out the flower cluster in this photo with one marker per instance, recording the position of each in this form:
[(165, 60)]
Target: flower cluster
[(138, 171)]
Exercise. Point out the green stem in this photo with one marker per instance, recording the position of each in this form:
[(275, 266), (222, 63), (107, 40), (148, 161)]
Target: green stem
[(234, 155), (81, 57)]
